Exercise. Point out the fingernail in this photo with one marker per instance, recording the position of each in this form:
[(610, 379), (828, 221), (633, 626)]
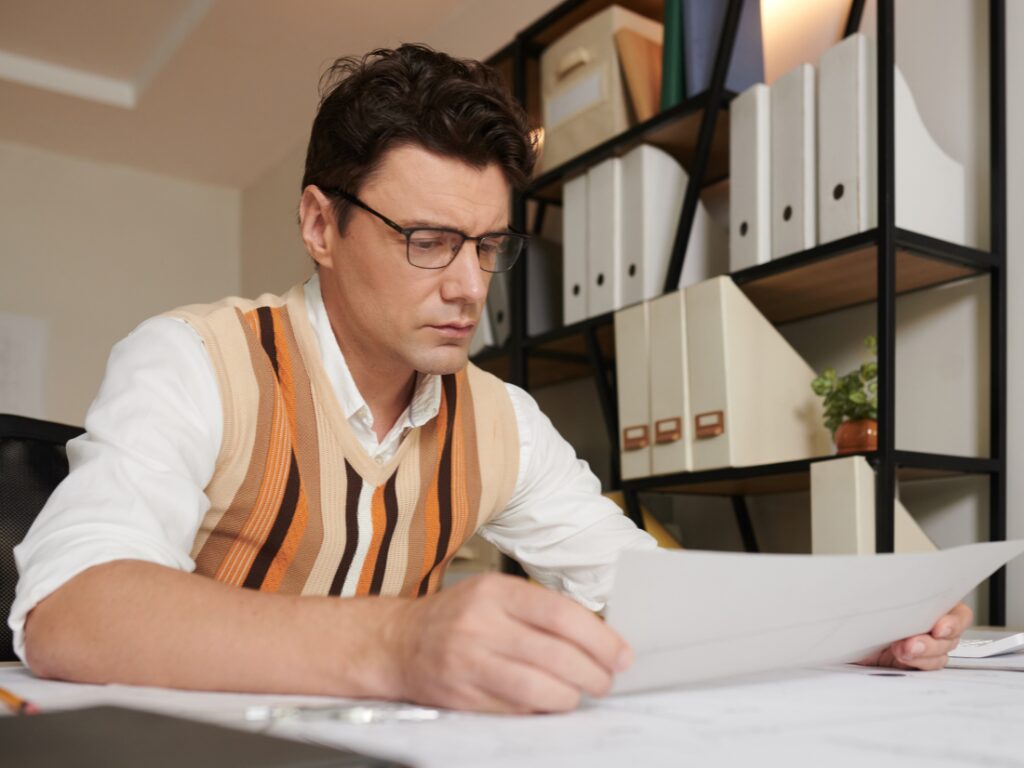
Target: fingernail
[(624, 660), (916, 648), (945, 631)]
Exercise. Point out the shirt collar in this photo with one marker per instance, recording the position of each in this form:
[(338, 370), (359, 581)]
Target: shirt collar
[(426, 399)]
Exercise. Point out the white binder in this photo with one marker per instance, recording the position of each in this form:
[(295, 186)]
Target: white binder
[(750, 391), (632, 335), (574, 250), (671, 449), (499, 307), (793, 162), (604, 237), (843, 511), (930, 185), (749, 185), (847, 150), (653, 186)]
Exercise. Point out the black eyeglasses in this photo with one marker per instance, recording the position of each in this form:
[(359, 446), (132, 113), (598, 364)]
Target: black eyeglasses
[(437, 247)]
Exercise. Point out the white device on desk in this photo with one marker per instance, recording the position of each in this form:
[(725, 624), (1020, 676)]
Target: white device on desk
[(982, 645)]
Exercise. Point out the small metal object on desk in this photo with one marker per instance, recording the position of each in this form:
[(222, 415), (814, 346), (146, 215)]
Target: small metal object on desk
[(357, 713)]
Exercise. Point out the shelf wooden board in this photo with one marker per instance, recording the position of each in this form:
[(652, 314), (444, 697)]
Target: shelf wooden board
[(675, 131), (555, 357), (795, 476), (845, 274)]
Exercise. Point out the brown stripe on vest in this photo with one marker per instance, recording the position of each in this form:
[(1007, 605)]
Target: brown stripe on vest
[(443, 488), (290, 520), (294, 563), (353, 492), (232, 538), (391, 522)]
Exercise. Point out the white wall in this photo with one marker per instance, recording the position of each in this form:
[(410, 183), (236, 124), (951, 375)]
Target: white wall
[(273, 257), (93, 250)]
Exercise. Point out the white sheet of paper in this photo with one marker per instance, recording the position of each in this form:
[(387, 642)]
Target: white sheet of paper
[(692, 616), (23, 349)]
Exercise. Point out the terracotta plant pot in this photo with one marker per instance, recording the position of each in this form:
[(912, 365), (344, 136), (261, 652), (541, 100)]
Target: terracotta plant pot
[(857, 436)]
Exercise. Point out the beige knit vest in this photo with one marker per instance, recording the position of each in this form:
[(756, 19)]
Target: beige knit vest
[(296, 504)]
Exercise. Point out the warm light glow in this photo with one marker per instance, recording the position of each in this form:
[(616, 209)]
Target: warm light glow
[(798, 31)]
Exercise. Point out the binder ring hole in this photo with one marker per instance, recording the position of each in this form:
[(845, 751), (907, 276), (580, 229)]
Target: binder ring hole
[(501, 316), (600, 279), (743, 229), (837, 193), (632, 270), (576, 290), (787, 213)]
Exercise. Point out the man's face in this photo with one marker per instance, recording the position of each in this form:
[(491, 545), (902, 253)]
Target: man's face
[(397, 317)]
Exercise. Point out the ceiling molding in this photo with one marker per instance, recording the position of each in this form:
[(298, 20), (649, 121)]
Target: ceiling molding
[(66, 80), (169, 44), (71, 81)]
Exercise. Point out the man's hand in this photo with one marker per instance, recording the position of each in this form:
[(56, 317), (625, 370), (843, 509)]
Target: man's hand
[(926, 651), (500, 644)]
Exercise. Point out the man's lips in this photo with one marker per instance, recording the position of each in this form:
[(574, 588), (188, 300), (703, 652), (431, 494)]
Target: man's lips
[(455, 330)]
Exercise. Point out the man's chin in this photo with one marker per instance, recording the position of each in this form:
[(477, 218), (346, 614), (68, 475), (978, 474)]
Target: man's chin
[(443, 360)]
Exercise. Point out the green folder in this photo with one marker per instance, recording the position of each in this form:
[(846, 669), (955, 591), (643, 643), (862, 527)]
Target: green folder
[(673, 75)]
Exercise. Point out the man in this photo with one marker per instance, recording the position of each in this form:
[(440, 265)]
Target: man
[(333, 442)]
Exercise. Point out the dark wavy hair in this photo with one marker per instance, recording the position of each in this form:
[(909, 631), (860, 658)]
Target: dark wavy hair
[(413, 95)]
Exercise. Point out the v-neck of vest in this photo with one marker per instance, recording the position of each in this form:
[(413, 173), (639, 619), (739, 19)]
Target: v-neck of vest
[(373, 473)]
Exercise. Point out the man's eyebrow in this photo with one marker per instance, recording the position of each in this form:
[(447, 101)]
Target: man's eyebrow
[(426, 223)]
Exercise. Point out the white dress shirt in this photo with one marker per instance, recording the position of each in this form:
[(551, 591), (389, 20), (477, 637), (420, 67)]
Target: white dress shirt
[(153, 433)]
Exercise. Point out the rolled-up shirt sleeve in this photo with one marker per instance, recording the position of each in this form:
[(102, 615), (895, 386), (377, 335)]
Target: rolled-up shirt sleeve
[(557, 525), (136, 484)]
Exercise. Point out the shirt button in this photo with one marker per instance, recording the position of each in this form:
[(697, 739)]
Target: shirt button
[(379, 459)]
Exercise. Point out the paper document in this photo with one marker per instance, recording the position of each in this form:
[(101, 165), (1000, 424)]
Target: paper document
[(692, 616)]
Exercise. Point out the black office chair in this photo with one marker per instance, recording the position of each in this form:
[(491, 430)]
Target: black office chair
[(33, 460)]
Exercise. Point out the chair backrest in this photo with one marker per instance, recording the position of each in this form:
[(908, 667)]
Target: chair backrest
[(33, 460)]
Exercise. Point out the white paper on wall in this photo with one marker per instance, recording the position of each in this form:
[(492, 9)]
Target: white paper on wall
[(24, 342)]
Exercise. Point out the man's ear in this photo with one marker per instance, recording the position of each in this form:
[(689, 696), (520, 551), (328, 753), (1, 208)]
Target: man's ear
[(317, 225)]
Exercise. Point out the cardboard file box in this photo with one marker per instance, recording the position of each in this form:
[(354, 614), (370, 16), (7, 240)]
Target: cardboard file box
[(750, 241), (750, 391), (671, 428), (582, 87), (632, 366)]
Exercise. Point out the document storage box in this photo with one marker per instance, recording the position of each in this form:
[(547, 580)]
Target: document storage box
[(582, 87), (671, 449), (794, 155), (604, 237), (750, 391), (653, 187), (574, 250), (930, 185), (750, 240), (843, 511), (632, 367)]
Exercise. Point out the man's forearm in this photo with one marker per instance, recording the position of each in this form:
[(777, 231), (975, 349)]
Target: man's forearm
[(139, 623)]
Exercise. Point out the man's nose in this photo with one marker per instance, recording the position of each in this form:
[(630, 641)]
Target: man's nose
[(463, 279)]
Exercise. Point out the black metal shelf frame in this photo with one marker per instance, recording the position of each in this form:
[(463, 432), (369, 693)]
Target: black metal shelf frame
[(887, 240)]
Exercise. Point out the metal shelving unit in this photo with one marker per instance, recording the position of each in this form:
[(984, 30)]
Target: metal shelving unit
[(870, 267)]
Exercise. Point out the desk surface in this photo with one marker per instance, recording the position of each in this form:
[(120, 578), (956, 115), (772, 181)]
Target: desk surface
[(835, 716)]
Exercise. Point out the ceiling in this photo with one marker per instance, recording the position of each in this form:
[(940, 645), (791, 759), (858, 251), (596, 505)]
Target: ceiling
[(209, 90)]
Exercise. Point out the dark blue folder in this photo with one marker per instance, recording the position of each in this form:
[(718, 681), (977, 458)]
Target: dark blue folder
[(702, 26)]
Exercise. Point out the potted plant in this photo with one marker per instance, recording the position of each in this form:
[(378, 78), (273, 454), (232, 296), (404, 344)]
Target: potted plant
[(851, 404)]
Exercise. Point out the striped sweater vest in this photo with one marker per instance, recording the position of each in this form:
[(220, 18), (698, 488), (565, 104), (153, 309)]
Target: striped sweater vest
[(296, 504)]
